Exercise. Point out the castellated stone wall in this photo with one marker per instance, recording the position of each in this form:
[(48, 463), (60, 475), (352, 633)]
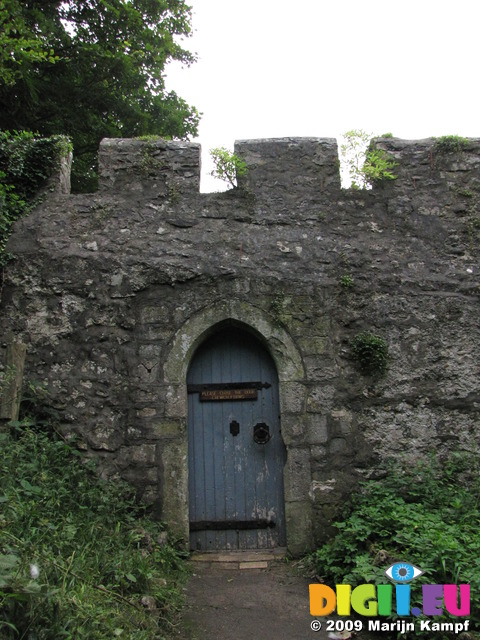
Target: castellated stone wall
[(113, 292)]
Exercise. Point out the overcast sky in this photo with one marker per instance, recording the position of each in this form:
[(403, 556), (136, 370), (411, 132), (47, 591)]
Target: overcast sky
[(272, 68)]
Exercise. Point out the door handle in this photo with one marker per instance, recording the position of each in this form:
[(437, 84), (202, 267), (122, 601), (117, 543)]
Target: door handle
[(261, 433)]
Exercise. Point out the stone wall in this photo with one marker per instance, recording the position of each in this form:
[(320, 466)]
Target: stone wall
[(113, 292)]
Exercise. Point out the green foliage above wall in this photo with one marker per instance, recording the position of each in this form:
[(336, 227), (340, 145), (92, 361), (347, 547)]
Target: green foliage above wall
[(92, 70), (26, 162), (449, 144), (365, 164)]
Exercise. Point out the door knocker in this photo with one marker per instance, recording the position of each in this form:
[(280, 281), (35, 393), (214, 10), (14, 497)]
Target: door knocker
[(261, 433)]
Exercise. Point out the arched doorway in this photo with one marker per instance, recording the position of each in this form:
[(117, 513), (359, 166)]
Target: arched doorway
[(235, 448)]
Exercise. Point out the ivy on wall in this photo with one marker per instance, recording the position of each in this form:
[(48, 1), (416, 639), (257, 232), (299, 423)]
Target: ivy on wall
[(26, 162), (370, 352)]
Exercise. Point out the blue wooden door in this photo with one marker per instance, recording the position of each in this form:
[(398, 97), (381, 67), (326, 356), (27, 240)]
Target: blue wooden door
[(236, 452)]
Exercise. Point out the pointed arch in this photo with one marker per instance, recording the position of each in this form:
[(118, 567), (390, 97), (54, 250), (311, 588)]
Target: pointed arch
[(292, 395), (199, 327)]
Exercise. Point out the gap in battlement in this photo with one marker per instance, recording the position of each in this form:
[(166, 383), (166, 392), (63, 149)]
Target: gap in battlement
[(353, 157), (209, 184)]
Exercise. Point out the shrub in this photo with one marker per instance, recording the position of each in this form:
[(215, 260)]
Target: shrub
[(228, 166), (365, 164), (378, 166), (347, 281), (427, 514), (78, 557)]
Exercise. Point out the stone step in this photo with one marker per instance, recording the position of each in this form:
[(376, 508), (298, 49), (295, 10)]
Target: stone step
[(240, 559)]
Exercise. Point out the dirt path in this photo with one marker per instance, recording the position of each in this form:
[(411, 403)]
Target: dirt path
[(226, 603)]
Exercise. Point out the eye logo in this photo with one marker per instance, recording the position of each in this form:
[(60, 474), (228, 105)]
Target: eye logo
[(403, 572)]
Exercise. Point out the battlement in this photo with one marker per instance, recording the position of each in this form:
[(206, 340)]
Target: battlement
[(158, 168), (152, 167), (298, 164), (432, 163)]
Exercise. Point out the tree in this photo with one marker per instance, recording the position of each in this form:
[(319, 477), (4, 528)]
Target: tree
[(18, 46), (93, 69)]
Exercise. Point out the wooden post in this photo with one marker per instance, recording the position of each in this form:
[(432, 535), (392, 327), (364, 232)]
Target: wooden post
[(11, 388)]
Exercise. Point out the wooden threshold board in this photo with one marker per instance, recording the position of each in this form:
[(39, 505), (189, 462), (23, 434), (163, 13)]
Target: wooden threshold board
[(243, 559)]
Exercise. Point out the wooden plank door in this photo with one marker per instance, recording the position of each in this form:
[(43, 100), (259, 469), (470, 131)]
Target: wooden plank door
[(236, 452)]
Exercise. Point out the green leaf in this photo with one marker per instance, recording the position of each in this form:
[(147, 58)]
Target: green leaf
[(30, 488)]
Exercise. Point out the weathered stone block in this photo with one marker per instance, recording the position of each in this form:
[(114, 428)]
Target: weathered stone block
[(340, 421), (320, 398), (293, 396), (172, 460), (142, 454), (338, 445), (323, 492), (170, 428), (317, 429), (314, 345), (299, 527), (318, 454), (176, 402), (294, 429), (156, 168), (297, 474), (295, 164)]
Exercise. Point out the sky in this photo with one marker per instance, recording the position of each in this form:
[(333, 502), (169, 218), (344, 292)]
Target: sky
[(319, 68)]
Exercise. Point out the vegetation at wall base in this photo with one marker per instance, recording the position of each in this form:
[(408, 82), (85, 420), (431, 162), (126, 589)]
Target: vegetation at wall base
[(79, 558), (426, 513)]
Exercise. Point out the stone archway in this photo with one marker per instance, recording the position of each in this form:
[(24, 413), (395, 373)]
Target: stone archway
[(292, 390)]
